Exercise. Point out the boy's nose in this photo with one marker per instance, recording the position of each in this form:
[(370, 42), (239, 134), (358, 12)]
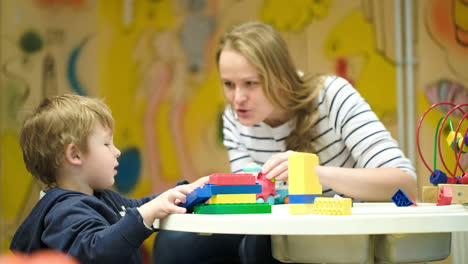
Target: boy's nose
[(117, 152)]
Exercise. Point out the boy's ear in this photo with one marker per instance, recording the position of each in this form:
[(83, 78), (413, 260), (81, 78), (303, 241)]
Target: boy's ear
[(73, 154)]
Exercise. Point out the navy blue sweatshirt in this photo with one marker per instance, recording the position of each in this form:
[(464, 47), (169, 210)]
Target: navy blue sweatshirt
[(90, 228)]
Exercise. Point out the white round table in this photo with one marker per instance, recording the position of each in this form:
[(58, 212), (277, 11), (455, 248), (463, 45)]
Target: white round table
[(366, 218), (374, 232)]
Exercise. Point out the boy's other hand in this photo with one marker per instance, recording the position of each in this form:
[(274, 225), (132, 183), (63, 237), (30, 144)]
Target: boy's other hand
[(165, 204), (200, 182)]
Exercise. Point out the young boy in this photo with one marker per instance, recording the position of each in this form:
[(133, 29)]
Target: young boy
[(68, 145)]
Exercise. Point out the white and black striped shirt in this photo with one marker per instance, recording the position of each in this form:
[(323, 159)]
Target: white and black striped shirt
[(349, 134)]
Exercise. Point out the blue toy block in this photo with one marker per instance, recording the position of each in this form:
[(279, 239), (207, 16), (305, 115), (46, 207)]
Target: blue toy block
[(198, 196), (438, 177), (302, 198), (236, 189), (401, 199)]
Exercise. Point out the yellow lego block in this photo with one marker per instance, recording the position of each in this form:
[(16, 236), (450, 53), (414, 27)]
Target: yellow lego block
[(233, 198), (332, 206), (302, 178), (298, 209)]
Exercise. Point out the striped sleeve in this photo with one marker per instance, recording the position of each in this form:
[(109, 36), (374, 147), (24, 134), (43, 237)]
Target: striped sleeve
[(369, 142), (238, 155)]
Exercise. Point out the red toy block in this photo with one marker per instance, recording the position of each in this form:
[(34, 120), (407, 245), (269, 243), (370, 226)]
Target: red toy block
[(232, 179), (445, 196)]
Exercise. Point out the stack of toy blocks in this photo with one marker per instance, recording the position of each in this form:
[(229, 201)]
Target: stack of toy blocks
[(233, 194), (304, 184), (332, 206)]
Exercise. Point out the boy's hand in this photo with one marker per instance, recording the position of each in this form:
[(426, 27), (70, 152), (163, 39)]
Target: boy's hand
[(200, 182), (165, 204)]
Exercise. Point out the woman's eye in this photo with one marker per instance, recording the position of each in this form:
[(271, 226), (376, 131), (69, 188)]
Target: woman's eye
[(251, 83), (228, 84)]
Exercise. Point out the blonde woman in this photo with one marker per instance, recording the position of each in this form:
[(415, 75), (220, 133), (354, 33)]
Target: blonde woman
[(273, 111)]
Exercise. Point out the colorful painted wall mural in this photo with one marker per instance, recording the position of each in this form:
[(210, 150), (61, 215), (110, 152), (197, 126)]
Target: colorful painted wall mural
[(153, 63)]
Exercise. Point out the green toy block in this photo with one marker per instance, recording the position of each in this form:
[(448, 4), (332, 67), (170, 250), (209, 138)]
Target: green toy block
[(235, 208)]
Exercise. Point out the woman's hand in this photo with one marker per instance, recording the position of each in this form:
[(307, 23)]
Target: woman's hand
[(277, 166)]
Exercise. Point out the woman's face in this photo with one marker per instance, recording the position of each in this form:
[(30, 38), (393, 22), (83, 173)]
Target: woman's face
[(243, 89)]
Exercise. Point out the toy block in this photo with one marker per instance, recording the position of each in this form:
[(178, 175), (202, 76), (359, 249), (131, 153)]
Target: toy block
[(232, 179), (199, 195), (236, 189), (332, 206), (302, 198), (298, 209), (239, 208), (430, 194), (459, 193), (302, 178), (233, 198), (445, 195), (401, 199)]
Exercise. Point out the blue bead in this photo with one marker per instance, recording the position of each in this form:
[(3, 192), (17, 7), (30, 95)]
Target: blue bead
[(438, 177)]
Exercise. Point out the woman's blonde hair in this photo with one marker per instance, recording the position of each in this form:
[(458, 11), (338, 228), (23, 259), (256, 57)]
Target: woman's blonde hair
[(264, 48), (57, 122)]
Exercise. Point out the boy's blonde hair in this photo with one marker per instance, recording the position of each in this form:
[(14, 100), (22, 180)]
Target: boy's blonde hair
[(264, 48), (57, 122)]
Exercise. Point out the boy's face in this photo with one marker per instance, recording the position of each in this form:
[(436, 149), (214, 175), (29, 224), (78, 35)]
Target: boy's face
[(100, 162)]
